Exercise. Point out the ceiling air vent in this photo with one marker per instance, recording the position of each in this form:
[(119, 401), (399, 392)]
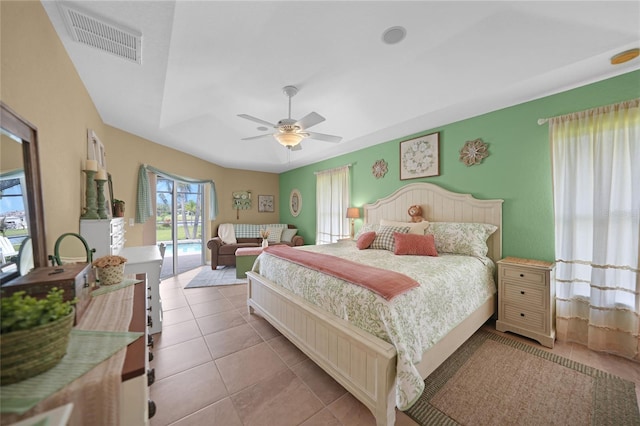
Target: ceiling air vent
[(103, 35)]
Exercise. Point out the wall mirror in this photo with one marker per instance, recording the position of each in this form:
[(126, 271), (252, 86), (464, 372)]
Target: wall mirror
[(21, 206)]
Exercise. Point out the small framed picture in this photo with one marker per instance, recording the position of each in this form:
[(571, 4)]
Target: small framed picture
[(420, 157), (265, 203)]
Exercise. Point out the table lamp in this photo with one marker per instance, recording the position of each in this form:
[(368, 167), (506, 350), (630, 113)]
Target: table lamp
[(353, 213)]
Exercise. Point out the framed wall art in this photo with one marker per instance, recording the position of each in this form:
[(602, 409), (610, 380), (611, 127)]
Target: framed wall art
[(420, 157), (265, 203), (295, 202)]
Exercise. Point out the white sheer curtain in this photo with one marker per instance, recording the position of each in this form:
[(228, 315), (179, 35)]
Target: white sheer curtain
[(596, 177), (332, 199)]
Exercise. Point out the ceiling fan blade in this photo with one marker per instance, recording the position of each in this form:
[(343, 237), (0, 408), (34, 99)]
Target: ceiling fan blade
[(268, 135), (323, 137), (257, 120), (309, 120)]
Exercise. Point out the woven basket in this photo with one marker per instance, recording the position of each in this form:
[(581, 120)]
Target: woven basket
[(110, 275), (27, 353)]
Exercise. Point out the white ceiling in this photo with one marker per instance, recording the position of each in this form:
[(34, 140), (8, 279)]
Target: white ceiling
[(205, 62)]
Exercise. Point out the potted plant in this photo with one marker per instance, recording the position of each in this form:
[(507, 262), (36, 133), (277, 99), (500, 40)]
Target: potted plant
[(34, 334), (118, 208)]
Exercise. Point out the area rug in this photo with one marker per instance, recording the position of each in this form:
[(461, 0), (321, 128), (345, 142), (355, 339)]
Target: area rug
[(209, 277), (493, 380)]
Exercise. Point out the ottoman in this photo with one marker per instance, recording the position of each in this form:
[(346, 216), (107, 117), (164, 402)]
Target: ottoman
[(245, 256)]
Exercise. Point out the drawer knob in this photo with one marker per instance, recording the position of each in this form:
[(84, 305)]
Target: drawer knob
[(521, 314), (152, 408), (521, 291), (521, 275), (151, 376)]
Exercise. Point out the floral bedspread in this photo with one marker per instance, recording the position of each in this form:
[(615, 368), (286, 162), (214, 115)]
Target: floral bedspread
[(451, 288)]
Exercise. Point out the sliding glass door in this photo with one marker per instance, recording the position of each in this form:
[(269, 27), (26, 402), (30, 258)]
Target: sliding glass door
[(179, 224)]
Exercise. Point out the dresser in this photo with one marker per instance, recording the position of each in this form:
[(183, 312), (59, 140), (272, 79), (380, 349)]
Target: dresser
[(92, 394), (526, 299), (147, 260), (107, 237), (104, 235)]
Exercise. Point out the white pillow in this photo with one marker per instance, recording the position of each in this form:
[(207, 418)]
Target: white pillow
[(417, 228), (288, 234), (366, 228), (275, 235)]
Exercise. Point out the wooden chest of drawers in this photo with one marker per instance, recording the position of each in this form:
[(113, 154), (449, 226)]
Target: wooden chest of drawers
[(526, 299)]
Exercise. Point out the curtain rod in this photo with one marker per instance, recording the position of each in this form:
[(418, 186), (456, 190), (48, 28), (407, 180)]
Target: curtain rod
[(630, 103), (330, 170)]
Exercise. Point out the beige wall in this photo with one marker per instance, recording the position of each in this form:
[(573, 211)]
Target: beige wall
[(40, 83)]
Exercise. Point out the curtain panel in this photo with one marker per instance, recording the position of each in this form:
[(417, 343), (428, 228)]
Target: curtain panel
[(332, 199), (596, 178), (144, 203)]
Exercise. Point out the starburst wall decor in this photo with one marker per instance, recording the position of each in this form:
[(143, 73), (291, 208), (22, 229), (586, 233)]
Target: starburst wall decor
[(473, 152)]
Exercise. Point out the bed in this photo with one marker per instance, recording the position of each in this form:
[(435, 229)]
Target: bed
[(369, 366)]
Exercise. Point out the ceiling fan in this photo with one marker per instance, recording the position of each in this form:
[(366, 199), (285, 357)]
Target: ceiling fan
[(290, 132)]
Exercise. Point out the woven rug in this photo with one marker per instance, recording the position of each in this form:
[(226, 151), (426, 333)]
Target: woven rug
[(493, 380), (222, 276)]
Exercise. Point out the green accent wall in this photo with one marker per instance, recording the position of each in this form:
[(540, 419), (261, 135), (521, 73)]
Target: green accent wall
[(518, 169)]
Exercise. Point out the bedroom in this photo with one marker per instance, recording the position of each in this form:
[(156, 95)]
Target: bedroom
[(54, 99)]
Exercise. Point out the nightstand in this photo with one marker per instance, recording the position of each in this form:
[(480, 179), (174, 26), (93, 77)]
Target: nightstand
[(526, 299)]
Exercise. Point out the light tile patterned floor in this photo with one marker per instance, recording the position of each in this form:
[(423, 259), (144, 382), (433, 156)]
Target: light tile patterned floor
[(217, 365)]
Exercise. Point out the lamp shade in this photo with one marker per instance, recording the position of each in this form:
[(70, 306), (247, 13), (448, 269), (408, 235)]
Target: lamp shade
[(288, 138), (353, 212)]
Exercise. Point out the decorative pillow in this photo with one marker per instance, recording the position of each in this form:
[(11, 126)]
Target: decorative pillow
[(461, 238), (420, 245), (288, 234), (365, 240), (384, 237), (275, 235), (366, 228), (417, 228)]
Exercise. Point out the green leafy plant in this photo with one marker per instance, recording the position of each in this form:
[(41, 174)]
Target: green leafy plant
[(22, 312)]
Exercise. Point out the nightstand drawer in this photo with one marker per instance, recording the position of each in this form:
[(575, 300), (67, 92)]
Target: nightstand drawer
[(524, 295), (528, 275), (530, 319)]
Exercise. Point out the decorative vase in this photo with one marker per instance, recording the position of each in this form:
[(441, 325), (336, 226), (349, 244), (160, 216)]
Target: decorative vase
[(110, 275), (265, 243), (27, 353)]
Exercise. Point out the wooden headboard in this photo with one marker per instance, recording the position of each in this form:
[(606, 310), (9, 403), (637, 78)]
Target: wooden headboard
[(439, 205)]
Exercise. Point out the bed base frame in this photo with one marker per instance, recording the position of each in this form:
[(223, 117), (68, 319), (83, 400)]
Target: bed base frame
[(363, 364)]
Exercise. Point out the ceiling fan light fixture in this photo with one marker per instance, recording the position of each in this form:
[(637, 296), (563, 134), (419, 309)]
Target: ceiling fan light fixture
[(288, 139)]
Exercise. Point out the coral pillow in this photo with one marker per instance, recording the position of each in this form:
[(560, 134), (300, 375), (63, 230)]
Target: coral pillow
[(365, 240), (420, 245)]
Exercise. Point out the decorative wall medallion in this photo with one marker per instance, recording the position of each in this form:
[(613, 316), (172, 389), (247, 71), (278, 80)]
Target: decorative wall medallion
[(420, 157), (379, 169), (473, 152), (295, 203)]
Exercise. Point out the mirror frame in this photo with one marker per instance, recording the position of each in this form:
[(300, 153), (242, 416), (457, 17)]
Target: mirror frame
[(13, 123)]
